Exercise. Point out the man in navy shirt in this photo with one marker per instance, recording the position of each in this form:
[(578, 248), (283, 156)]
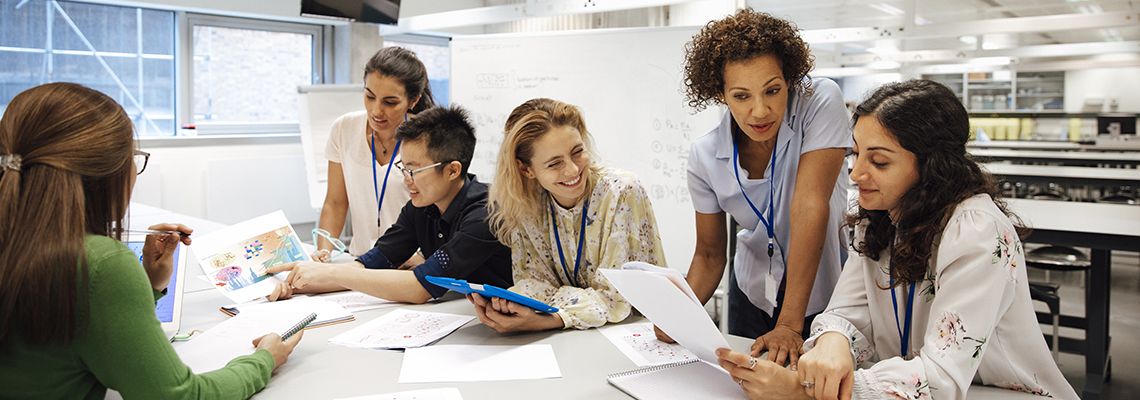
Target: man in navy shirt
[(445, 218)]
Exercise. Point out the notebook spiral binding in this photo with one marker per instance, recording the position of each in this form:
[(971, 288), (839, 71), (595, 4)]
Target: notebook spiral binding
[(654, 368), (299, 326)]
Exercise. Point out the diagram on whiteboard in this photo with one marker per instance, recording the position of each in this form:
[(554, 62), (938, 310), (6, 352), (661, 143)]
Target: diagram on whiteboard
[(640, 344)]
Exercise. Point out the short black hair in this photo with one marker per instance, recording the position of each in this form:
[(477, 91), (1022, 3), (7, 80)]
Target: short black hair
[(448, 132)]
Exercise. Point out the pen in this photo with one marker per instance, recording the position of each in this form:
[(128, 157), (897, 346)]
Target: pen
[(156, 232)]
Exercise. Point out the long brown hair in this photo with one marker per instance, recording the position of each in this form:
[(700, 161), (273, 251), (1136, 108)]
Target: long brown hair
[(929, 121), (514, 198), (74, 178)]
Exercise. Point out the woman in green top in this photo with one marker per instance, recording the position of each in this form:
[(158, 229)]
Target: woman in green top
[(76, 315)]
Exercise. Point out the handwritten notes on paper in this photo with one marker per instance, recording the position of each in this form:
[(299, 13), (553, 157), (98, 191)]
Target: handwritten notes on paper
[(402, 328), (640, 344)]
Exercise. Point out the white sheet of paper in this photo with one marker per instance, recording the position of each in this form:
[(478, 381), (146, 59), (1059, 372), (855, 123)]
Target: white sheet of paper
[(234, 258), (356, 302), (470, 363), (425, 394), (327, 311), (672, 274), (670, 309), (234, 337), (401, 329), (640, 344)]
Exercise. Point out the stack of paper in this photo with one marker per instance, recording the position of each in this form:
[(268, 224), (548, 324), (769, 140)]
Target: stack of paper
[(640, 344), (327, 312), (356, 302), (466, 363), (402, 329), (425, 394)]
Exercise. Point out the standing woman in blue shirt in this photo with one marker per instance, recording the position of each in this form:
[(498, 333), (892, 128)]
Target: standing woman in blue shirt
[(775, 164)]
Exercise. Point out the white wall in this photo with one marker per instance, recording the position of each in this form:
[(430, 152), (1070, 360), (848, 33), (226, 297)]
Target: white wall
[(698, 13), (1122, 84), (856, 88), (226, 180)]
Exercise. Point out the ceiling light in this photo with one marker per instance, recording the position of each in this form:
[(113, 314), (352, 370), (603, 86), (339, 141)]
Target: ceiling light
[(970, 40)]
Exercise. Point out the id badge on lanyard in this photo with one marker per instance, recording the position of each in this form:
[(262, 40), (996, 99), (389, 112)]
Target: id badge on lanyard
[(775, 251)]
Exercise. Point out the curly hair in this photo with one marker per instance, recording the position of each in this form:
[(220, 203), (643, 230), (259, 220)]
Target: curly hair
[(738, 37), (929, 121)]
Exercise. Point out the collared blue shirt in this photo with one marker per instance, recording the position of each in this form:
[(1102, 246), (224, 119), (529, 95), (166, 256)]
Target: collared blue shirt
[(821, 122), (459, 242)]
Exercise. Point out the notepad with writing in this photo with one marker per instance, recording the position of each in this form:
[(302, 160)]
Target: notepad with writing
[(692, 379)]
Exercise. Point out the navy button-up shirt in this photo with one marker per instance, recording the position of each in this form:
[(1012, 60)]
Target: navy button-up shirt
[(459, 242)]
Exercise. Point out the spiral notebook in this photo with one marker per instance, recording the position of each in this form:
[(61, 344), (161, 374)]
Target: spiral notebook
[(692, 379)]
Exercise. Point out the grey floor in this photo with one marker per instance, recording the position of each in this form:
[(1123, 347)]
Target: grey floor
[(1124, 326)]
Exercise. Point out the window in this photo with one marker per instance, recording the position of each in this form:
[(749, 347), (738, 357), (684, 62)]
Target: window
[(435, 53), (244, 74), (125, 52)]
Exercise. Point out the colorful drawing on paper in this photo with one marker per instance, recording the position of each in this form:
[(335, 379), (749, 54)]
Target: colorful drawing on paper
[(244, 264)]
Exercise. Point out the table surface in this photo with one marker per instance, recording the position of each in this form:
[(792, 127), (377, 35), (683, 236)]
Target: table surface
[(1058, 155), (1055, 171), (319, 369), (1102, 218), (1028, 144)]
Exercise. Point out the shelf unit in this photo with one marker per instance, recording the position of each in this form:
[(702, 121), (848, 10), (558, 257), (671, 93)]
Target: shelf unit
[(1006, 91)]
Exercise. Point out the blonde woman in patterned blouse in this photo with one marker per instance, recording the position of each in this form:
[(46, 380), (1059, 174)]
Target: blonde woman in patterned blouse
[(564, 218), (936, 298)]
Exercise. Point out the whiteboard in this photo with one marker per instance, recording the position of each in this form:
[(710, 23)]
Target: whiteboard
[(627, 83), (320, 105)]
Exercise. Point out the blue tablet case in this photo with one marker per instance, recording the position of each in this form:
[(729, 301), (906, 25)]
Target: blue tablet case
[(462, 286)]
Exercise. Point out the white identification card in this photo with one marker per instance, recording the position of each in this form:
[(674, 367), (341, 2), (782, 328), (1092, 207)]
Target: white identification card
[(771, 288)]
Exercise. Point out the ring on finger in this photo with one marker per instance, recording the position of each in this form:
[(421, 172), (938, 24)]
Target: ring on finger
[(740, 382), (752, 362), (807, 384)]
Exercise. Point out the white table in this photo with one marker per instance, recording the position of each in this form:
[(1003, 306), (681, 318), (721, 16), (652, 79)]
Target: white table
[(1081, 175), (1094, 157), (1102, 228), (320, 370), (1027, 144)]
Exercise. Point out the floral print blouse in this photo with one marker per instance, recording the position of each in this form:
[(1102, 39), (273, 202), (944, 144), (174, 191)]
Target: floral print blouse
[(620, 227), (973, 320)]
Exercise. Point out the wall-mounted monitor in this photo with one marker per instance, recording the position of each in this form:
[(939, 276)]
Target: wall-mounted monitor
[(374, 11)]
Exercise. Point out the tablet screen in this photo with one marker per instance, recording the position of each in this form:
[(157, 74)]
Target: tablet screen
[(164, 309)]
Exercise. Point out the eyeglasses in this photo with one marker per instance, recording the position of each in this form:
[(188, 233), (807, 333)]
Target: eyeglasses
[(141, 158), (411, 173), (338, 246)]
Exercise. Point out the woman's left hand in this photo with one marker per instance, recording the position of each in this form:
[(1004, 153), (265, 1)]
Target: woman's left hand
[(761, 379), (158, 253), (783, 345), (505, 316)]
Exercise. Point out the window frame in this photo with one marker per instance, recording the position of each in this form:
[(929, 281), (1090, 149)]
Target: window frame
[(184, 68)]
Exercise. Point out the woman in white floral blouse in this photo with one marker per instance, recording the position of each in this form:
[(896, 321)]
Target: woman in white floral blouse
[(938, 298), (564, 218)]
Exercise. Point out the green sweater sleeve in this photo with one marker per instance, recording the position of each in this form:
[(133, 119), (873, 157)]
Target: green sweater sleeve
[(125, 348)]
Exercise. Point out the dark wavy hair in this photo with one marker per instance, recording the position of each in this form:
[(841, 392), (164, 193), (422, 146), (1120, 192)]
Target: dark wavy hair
[(929, 121), (739, 37), (402, 64)]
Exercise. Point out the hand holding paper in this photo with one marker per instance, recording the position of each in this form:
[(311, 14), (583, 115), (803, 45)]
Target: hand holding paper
[(668, 304)]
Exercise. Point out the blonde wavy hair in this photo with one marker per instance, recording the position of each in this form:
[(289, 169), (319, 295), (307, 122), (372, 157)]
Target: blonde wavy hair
[(513, 197)]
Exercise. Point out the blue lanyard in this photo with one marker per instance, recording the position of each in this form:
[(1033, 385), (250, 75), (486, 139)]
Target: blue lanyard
[(768, 223), (904, 331), (581, 242), (381, 190)]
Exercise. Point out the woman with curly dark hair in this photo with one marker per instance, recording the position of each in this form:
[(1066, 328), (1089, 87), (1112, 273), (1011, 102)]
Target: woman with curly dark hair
[(775, 164), (938, 248)]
